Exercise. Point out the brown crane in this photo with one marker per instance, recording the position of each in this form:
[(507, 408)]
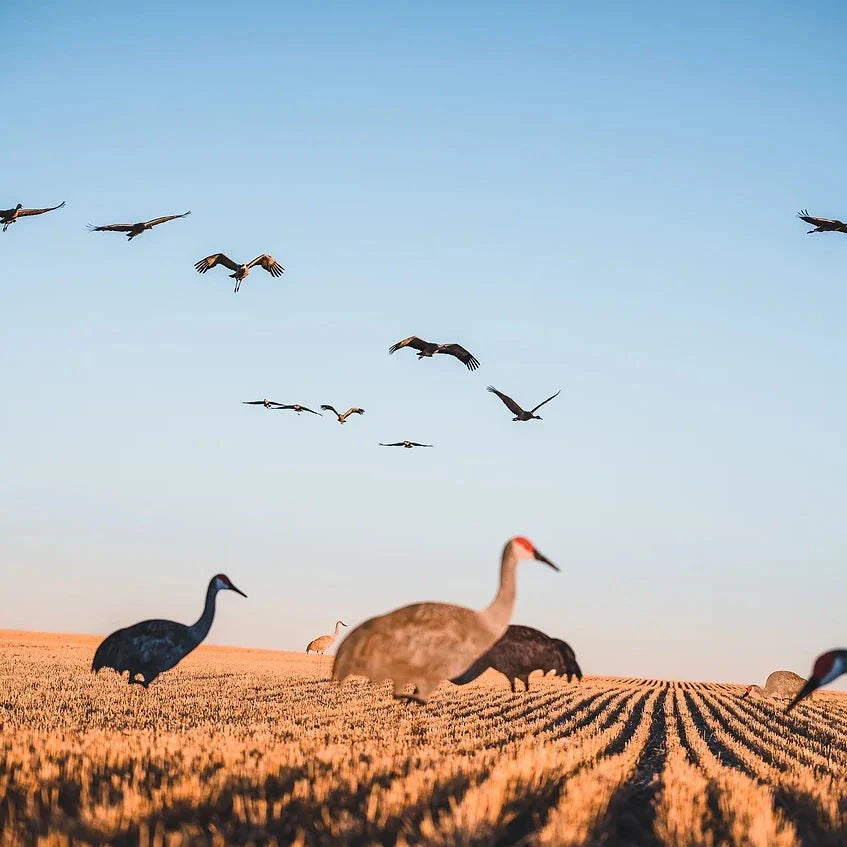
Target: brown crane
[(270, 264), (9, 216), (133, 230), (821, 224), (780, 685), (515, 409), (427, 349), (323, 642), (296, 407), (343, 418), (426, 643), (268, 404), (151, 647), (407, 444)]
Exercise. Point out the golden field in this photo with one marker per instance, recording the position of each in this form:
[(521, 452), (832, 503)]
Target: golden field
[(249, 746)]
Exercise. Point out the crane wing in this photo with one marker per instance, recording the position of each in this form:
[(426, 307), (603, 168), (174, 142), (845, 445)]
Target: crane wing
[(461, 354), (533, 411), (416, 444), (270, 264), (110, 228), (157, 221), (392, 444), (330, 409), (510, 404), (354, 411), (826, 223), (307, 409), (23, 213), (412, 341), (215, 259)]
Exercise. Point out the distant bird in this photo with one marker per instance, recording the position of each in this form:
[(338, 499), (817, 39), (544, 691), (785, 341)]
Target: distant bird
[(267, 262), (513, 407), (152, 647), (426, 349), (343, 418), (821, 224), (426, 643), (9, 216), (407, 444), (296, 407), (324, 642), (268, 404), (517, 654), (828, 666), (131, 230), (780, 685), (572, 668)]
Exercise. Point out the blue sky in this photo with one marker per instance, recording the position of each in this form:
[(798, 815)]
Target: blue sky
[(585, 200)]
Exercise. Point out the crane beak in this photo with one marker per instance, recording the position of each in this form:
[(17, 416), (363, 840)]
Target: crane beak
[(542, 558), (805, 691), (236, 590)]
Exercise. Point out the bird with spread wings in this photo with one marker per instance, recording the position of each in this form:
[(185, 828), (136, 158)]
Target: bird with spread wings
[(343, 418), (270, 264), (9, 216), (521, 414), (132, 230), (427, 349)]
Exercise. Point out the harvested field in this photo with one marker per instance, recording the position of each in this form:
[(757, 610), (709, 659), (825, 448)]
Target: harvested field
[(249, 746)]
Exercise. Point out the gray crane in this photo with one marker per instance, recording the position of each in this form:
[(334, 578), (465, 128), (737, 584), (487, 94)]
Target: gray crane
[(9, 216), (151, 647), (426, 643), (323, 642), (780, 685)]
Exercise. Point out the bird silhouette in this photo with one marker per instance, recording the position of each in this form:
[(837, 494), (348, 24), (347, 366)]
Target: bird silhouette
[(9, 216), (520, 414), (427, 349), (133, 230)]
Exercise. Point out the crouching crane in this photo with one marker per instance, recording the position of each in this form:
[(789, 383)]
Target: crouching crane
[(323, 642), (780, 685), (426, 643), (151, 647)]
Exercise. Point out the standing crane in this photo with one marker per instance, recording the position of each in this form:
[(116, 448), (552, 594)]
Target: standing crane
[(780, 685), (152, 647), (516, 655), (426, 643), (323, 642), (828, 666), (9, 216)]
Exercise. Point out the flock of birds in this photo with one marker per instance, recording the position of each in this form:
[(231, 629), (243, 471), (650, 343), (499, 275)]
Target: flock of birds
[(421, 645)]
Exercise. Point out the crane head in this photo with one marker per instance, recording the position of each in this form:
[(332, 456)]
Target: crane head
[(224, 583), (747, 691), (827, 667), (340, 622), (525, 549)]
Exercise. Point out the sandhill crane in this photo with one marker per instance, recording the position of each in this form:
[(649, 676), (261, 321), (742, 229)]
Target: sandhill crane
[(828, 666), (516, 410), (323, 642), (296, 407), (516, 655), (821, 224), (355, 410), (572, 668), (268, 404), (9, 216), (780, 685), (152, 647), (426, 643), (407, 444), (132, 230), (427, 349), (240, 271)]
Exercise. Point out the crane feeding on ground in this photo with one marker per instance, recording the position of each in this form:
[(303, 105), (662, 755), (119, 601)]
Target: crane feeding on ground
[(427, 349), (426, 643), (828, 666), (9, 216), (343, 418), (133, 230), (323, 642), (780, 685), (516, 655), (270, 264), (151, 647)]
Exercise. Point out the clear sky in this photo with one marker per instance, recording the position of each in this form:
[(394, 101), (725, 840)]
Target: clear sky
[(585, 198)]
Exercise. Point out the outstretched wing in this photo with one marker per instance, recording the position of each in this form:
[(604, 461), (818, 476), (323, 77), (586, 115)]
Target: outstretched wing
[(215, 259), (510, 404), (533, 411), (270, 264), (461, 354), (825, 223), (110, 228), (157, 221), (412, 341), (353, 411), (392, 444), (307, 409), (23, 213), (330, 409), (415, 444)]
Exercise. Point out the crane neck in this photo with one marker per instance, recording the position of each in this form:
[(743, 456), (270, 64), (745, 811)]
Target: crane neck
[(201, 629), (499, 613), (337, 629)]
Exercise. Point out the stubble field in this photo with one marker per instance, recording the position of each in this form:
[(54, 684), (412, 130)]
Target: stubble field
[(248, 746)]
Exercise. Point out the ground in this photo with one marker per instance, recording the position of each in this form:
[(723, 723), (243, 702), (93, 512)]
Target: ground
[(250, 746)]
